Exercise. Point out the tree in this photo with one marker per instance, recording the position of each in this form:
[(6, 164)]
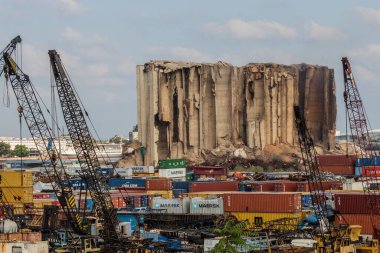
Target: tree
[(21, 151), (233, 234), (116, 139), (5, 149)]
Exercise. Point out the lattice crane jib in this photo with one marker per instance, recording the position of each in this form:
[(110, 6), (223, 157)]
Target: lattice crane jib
[(359, 125), (30, 108), (84, 146), (309, 157)]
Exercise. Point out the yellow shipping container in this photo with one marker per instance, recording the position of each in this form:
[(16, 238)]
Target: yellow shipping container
[(258, 219), (166, 194), (14, 178), (17, 194), (40, 203)]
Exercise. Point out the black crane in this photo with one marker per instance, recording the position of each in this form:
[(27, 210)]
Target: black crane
[(30, 109), (84, 146), (359, 125)]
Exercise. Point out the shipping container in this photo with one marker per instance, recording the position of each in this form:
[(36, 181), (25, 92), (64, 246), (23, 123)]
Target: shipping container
[(17, 194), (123, 172), (352, 203), (285, 186), (213, 186), (326, 185), (168, 194), (245, 187), (158, 184), (374, 161), (328, 160), (172, 163), (190, 176), (142, 169), (11, 178), (209, 170), (206, 206), (307, 200), (173, 206), (114, 183), (13, 245), (262, 202), (263, 186), (178, 192), (370, 171), (259, 218), (173, 173), (345, 170), (77, 184), (181, 185), (363, 220)]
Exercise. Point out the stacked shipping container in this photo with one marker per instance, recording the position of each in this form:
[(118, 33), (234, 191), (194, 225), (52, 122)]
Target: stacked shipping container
[(337, 164)]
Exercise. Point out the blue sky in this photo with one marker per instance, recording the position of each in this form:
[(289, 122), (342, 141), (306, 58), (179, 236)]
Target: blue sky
[(101, 42)]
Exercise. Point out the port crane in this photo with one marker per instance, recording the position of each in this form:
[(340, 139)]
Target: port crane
[(331, 238), (84, 146), (359, 125), (29, 107)]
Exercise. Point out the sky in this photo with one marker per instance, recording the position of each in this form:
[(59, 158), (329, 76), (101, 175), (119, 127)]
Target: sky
[(101, 42)]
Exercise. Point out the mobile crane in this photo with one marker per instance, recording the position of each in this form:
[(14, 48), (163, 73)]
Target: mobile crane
[(30, 109), (329, 238), (84, 146), (359, 125)]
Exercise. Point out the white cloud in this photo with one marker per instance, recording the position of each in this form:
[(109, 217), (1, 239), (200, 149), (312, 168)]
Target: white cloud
[(72, 35), (319, 32), (35, 61), (189, 54), (368, 14), (252, 29), (70, 6), (365, 74), (370, 52), (97, 70)]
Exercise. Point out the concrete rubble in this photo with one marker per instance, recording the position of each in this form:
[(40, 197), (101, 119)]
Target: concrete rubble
[(186, 109)]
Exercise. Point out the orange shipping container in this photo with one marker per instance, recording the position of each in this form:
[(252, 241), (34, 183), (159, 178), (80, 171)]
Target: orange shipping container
[(158, 184), (213, 186), (328, 160), (363, 220), (262, 202)]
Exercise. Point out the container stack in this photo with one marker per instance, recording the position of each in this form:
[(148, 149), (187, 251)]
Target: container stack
[(174, 169), (337, 164), (352, 209), (260, 207), (367, 167), (205, 173)]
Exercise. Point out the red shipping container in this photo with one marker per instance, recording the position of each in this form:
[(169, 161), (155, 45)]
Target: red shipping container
[(263, 186), (345, 170), (31, 236), (363, 220), (262, 202), (115, 202), (326, 185), (158, 184), (285, 186), (331, 160), (213, 186), (351, 203), (371, 171), (209, 170)]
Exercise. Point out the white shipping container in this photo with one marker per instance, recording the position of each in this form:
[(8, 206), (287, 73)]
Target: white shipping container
[(177, 205), (123, 172), (142, 169), (24, 247), (172, 173), (206, 206), (209, 244)]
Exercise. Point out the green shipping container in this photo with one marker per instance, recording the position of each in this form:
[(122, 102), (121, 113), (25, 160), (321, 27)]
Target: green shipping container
[(172, 163), (189, 177)]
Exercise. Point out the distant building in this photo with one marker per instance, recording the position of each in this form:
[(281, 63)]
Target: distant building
[(134, 135)]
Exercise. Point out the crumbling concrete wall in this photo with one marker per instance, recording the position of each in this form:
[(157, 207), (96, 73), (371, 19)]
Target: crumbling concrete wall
[(184, 108)]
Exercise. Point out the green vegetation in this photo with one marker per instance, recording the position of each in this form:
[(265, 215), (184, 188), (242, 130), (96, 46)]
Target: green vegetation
[(232, 233), (21, 151), (5, 149)]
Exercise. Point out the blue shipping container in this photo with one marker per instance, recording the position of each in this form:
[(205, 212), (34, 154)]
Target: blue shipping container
[(181, 185), (177, 192), (128, 218), (77, 184), (358, 171), (307, 200), (244, 187), (374, 161), (114, 183)]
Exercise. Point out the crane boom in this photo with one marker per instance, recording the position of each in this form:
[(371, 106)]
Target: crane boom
[(358, 123), (309, 157), (84, 146), (41, 133)]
